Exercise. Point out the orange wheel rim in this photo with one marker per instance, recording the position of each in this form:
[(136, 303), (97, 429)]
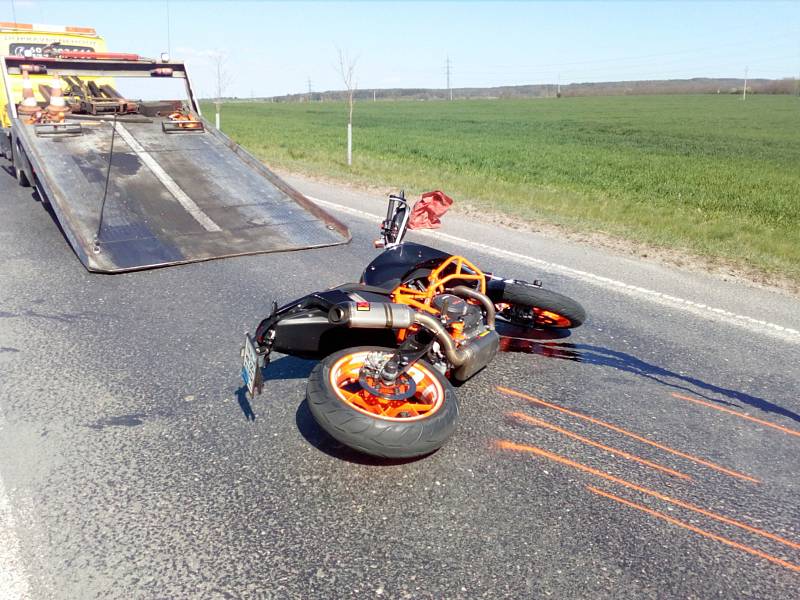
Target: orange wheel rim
[(546, 317), (427, 399)]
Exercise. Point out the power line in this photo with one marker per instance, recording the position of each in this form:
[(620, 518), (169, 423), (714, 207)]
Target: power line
[(690, 57), (715, 69), (14, 10)]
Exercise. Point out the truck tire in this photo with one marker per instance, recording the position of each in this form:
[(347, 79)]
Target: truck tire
[(374, 425), (22, 178), (5, 143)]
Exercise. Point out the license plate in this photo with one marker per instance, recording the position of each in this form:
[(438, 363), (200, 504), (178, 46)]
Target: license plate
[(251, 365)]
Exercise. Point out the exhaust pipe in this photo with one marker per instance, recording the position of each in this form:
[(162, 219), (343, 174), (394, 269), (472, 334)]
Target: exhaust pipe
[(376, 315), (467, 359), (471, 356), (488, 305)]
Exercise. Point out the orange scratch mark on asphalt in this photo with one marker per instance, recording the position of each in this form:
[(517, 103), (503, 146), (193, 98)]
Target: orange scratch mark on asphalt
[(703, 532), (508, 445), (738, 414), (580, 438), (630, 434)]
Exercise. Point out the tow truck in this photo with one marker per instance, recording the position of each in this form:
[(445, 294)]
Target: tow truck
[(136, 182)]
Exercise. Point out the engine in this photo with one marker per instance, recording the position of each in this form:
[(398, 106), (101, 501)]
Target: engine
[(459, 316)]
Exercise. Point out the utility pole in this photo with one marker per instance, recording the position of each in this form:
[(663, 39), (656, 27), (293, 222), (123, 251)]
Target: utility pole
[(744, 91), (309, 89), (374, 96), (558, 86), (169, 36), (447, 68)]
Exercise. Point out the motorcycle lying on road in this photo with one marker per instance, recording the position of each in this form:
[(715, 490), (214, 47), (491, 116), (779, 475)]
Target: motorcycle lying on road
[(393, 345)]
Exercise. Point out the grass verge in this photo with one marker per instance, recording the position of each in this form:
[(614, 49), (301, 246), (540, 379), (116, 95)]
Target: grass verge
[(710, 176)]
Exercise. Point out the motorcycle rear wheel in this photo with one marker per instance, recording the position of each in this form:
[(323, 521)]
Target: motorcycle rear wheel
[(549, 310), (374, 425)]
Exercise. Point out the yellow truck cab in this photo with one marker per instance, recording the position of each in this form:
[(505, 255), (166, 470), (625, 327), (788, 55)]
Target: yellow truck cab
[(25, 39)]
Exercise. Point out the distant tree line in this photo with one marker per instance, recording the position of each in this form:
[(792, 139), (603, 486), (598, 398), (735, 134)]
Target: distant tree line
[(701, 85)]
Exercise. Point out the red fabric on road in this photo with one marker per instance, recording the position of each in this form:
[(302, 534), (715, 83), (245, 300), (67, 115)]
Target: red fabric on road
[(429, 209)]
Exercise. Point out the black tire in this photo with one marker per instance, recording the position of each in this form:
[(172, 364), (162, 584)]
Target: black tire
[(530, 296), (22, 179), (388, 437), (7, 154)]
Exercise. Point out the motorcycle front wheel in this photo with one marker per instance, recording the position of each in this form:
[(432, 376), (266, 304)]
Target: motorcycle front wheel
[(417, 422)]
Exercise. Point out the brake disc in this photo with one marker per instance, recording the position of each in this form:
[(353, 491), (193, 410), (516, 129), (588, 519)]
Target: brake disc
[(402, 388)]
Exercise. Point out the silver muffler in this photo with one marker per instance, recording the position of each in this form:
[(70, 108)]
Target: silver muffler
[(372, 315)]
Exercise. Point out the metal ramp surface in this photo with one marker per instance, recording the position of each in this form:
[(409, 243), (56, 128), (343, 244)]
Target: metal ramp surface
[(172, 198)]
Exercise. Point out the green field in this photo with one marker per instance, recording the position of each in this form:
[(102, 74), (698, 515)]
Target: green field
[(709, 175)]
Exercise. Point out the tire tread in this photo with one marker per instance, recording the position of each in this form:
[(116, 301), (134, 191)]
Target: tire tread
[(370, 435)]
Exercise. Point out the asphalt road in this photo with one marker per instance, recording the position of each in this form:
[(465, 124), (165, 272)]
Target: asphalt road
[(131, 466)]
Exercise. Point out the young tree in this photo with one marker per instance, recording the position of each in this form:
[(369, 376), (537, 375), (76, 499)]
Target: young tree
[(347, 67), (219, 62)]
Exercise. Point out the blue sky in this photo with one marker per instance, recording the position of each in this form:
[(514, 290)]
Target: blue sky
[(276, 47)]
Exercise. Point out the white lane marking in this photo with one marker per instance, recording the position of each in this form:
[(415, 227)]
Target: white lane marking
[(13, 585), (168, 181), (697, 308)]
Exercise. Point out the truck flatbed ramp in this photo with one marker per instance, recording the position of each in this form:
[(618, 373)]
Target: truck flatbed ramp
[(174, 196)]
